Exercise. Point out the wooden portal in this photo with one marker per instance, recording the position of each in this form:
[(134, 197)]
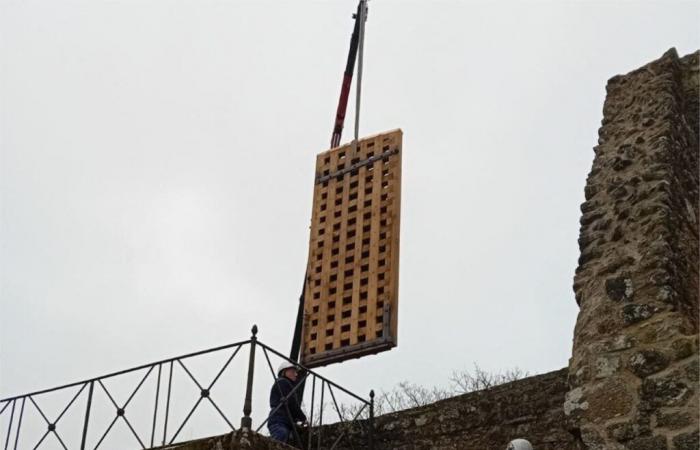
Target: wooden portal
[(351, 292)]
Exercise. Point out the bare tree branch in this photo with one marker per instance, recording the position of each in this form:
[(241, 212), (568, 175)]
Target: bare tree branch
[(407, 395)]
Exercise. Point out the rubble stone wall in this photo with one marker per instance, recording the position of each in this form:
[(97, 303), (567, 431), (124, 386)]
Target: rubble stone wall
[(530, 408), (237, 440), (634, 370)]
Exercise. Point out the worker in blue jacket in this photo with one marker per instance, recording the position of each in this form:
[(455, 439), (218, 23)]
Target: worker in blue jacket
[(279, 422)]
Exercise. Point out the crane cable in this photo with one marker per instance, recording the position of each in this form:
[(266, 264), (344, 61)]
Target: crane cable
[(360, 53)]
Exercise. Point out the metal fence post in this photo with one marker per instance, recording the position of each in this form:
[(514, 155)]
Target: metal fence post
[(371, 419), (87, 415), (9, 428), (246, 420)]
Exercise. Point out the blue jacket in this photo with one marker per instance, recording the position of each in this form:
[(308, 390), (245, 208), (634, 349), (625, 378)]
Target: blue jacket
[(280, 389)]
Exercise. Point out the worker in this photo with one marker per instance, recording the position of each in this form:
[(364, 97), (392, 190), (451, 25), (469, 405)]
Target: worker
[(279, 422), (519, 444)]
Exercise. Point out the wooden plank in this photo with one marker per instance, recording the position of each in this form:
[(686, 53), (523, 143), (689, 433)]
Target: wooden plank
[(355, 330), (329, 285), (344, 160), (316, 319), (393, 285), (376, 183)]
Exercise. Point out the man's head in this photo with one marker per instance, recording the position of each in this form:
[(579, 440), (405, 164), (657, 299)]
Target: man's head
[(288, 370)]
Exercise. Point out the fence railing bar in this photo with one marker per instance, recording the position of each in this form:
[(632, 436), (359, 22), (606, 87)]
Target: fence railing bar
[(330, 383), (106, 431), (167, 404), (370, 421), (221, 413), (343, 424), (88, 405), (108, 394), (121, 372), (269, 364), (19, 422), (320, 412), (311, 414), (335, 403), (199, 400), (39, 409), (361, 425), (282, 399), (42, 439), (224, 368), (190, 374), (138, 387), (211, 350), (80, 391), (60, 440), (155, 407), (358, 414), (247, 420), (9, 427), (337, 441), (134, 432)]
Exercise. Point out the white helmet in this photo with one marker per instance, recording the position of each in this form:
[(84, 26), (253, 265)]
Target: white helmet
[(284, 366), (519, 444)]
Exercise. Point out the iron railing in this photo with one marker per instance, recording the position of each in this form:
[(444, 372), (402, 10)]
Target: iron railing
[(18, 407)]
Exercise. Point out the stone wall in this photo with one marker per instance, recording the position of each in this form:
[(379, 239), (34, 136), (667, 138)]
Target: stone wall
[(237, 440), (486, 420), (634, 370)]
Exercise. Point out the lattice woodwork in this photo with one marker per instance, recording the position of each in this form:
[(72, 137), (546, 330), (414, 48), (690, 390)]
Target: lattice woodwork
[(351, 292)]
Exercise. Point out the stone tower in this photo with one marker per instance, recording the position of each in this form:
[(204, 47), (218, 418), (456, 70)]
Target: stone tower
[(633, 375)]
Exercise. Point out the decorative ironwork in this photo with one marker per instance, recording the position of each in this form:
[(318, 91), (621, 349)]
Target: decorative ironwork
[(14, 407)]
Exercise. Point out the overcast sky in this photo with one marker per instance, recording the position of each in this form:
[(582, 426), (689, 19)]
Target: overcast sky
[(157, 163)]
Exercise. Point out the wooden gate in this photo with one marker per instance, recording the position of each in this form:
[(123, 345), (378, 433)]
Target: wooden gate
[(351, 294)]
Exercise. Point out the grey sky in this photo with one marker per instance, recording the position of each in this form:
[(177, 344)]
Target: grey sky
[(157, 158)]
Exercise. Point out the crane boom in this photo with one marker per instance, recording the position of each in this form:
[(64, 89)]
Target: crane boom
[(347, 78)]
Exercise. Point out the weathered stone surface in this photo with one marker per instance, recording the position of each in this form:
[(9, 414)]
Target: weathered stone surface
[(683, 348), (623, 432), (665, 392), (632, 314), (673, 421), (237, 440), (633, 374), (647, 362), (531, 408), (619, 289), (687, 441), (609, 400), (648, 443)]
